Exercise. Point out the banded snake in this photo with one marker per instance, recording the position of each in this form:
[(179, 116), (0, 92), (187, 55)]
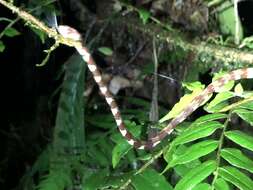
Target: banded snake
[(73, 34)]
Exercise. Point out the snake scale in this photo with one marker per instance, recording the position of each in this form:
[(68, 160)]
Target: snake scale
[(73, 34)]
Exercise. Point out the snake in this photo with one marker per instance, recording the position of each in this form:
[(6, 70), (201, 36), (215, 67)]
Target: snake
[(196, 102)]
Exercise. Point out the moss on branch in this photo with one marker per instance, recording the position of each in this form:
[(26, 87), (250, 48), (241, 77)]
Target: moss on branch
[(35, 23), (210, 55)]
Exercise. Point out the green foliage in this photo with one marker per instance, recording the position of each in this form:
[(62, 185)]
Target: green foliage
[(196, 175), (204, 155), (196, 89), (69, 129), (247, 42), (57, 165), (144, 15), (58, 178), (240, 138), (11, 32), (40, 33), (8, 31), (197, 157), (226, 18), (193, 152), (192, 144), (106, 51), (236, 158), (68, 143), (236, 177), (221, 184), (197, 131), (150, 179), (2, 46), (122, 147), (245, 114)]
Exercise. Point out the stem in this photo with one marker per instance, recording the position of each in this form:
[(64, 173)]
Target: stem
[(148, 163), (8, 26), (221, 141)]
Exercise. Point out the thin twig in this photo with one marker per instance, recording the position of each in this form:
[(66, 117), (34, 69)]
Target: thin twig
[(147, 164), (9, 26), (154, 114), (136, 54)]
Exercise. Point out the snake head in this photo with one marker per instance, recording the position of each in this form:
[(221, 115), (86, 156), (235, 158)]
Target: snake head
[(68, 32)]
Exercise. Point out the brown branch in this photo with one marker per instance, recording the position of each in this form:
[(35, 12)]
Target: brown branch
[(205, 53)]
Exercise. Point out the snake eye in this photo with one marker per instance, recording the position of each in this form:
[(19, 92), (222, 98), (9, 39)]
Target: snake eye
[(68, 32)]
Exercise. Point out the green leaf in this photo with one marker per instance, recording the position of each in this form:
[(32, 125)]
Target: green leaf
[(247, 42), (2, 46), (219, 98), (150, 179), (193, 86), (96, 180), (236, 177), (175, 151), (217, 108), (144, 15), (202, 186), (246, 115), (57, 178), (227, 21), (106, 51), (116, 181), (238, 89), (70, 113), (236, 158), (210, 117), (122, 146), (241, 139), (183, 169), (104, 145), (248, 105), (119, 151), (96, 154), (139, 102), (196, 175), (194, 152), (197, 131), (40, 34), (221, 184), (197, 89), (104, 121), (11, 32), (182, 104)]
